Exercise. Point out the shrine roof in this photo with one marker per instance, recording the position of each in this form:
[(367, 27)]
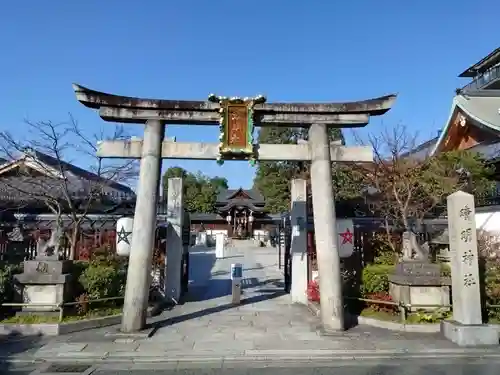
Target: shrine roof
[(480, 108), (226, 196), (421, 151)]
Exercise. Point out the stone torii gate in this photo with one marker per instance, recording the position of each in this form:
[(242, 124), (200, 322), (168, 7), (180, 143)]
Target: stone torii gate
[(236, 117)]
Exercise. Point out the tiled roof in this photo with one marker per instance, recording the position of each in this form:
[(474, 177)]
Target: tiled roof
[(82, 173), (225, 195), (421, 151), (80, 182)]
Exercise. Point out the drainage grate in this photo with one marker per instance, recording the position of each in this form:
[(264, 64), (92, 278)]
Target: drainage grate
[(55, 368)]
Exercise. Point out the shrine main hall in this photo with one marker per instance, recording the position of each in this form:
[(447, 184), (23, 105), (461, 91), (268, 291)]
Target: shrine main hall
[(240, 213)]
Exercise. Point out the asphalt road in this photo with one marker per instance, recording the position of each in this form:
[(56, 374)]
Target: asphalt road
[(448, 366)]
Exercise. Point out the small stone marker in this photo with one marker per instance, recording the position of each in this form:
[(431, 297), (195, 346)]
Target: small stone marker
[(466, 328), (219, 245), (236, 277)]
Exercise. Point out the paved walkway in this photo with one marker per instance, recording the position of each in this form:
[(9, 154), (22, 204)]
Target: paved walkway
[(266, 323)]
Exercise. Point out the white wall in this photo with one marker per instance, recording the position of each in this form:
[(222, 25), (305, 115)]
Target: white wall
[(213, 232), (488, 221)]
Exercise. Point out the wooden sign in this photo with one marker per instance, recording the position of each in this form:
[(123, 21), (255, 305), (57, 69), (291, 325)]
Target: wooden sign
[(237, 125)]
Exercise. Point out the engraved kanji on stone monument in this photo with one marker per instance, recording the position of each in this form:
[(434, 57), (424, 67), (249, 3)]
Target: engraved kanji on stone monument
[(464, 259), (468, 257), (469, 280), (465, 212), (466, 235)]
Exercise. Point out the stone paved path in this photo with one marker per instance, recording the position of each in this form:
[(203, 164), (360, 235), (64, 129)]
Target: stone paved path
[(208, 325), (267, 320)]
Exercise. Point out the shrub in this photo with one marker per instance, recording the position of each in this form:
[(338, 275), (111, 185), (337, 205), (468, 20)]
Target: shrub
[(422, 316), (445, 269), (385, 251), (77, 269), (375, 279), (492, 288), (103, 279), (7, 273)]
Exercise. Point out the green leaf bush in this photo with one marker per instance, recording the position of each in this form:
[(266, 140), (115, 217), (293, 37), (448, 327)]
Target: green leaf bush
[(103, 279), (375, 279), (7, 272), (492, 289)]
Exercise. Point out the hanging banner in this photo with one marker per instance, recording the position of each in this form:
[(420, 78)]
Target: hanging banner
[(345, 237)]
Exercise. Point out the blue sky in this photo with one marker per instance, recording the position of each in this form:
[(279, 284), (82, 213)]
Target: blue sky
[(289, 50)]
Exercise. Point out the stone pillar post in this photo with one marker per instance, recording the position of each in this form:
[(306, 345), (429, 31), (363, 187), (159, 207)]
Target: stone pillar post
[(299, 241), (141, 252), (325, 230), (466, 328), (173, 266)]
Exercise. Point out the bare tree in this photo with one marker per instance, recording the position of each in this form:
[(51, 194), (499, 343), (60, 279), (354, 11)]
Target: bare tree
[(47, 176), (407, 186)]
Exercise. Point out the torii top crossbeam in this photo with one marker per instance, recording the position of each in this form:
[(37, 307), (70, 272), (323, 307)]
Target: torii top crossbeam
[(136, 110)]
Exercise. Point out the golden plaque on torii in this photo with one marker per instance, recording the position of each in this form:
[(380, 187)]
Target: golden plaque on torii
[(236, 126)]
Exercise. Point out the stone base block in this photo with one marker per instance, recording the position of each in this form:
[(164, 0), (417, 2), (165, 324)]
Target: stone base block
[(38, 313), (469, 335), (51, 295), (421, 295)]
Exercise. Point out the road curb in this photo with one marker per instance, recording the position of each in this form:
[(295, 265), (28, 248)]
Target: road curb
[(261, 355)]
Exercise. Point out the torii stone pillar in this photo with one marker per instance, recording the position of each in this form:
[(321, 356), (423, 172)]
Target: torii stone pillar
[(143, 235), (325, 227), (154, 112)]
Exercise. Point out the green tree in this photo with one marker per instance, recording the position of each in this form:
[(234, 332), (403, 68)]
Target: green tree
[(220, 183), (200, 191), (273, 177)]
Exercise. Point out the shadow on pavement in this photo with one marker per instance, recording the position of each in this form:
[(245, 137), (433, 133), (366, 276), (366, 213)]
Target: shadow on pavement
[(216, 309), (205, 284), (14, 346)]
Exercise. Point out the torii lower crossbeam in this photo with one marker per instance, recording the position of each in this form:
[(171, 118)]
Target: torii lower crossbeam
[(209, 151)]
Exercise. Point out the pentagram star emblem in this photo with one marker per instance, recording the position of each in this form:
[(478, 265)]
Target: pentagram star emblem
[(123, 235), (346, 236)]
